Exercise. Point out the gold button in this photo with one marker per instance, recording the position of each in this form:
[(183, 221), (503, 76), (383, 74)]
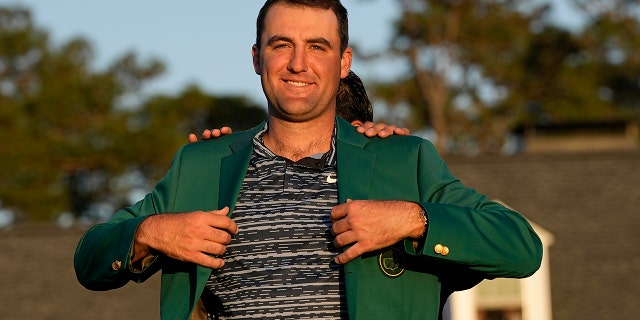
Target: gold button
[(116, 265), (445, 250), (438, 248)]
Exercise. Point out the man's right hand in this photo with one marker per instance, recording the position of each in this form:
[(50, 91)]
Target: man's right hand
[(199, 237)]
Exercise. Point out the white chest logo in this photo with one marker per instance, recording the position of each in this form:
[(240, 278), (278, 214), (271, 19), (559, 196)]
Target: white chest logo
[(331, 179)]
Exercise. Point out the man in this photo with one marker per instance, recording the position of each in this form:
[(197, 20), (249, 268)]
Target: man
[(276, 222)]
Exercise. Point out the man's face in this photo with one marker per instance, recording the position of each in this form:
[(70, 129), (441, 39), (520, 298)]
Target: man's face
[(299, 62)]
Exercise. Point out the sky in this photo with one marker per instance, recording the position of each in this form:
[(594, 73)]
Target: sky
[(202, 42)]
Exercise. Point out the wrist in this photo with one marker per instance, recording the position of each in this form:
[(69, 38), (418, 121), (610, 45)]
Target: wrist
[(424, 220), (140, 247), (420, 225)]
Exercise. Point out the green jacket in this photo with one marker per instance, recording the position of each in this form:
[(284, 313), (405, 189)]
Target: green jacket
[(484, 239)]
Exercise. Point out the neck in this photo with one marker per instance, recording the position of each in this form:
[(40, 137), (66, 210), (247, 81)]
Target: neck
[(296, 140)]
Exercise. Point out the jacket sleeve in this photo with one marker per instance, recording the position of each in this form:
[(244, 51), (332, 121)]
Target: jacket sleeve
[(465, 228), (101, 259)]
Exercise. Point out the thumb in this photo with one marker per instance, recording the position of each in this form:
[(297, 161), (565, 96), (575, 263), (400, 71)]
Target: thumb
[(223, 212)]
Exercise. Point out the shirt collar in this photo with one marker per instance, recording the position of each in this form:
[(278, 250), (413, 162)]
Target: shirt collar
[(316, 161)]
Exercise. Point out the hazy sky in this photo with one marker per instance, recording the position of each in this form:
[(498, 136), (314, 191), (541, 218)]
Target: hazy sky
[(201, 41)]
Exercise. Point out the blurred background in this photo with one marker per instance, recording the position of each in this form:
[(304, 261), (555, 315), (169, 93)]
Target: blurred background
[(535, 103)]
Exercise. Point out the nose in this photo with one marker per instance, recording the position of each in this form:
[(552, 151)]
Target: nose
[(297, 61)]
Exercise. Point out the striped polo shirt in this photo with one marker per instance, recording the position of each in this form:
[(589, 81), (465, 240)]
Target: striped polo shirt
[(280, 264)]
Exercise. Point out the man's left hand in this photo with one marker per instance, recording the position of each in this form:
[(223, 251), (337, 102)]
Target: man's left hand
[(368, 225)]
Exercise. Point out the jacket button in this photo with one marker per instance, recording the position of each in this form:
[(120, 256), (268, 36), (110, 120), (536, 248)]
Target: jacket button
[(445, 250), (438, 248), (116, 265)]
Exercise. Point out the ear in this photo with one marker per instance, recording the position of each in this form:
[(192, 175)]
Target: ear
[(255, 54), (345, 62)]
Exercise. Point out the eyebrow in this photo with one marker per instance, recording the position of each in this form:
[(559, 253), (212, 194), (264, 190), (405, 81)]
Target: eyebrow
[(319, 40)]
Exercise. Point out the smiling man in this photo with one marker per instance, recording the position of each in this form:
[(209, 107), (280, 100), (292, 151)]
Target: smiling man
[(301, 216)]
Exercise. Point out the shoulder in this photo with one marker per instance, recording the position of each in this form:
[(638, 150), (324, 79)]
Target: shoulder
[(347, 135), (222, 146), (400, 145)]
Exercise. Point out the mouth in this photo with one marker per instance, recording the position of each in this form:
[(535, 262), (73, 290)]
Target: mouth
[(297, 83)]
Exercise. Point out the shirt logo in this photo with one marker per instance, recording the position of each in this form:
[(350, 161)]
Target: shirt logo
[(331, 179)]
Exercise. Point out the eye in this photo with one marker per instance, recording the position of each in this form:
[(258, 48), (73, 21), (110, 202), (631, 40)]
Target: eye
[(280, 45), (316, 47)]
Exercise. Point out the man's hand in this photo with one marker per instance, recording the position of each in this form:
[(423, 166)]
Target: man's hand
[(208, 134), (368, 225), (382, 130), (192, 237)]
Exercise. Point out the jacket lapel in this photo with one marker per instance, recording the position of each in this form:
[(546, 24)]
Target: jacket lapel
[(355, 164), (233, 168)]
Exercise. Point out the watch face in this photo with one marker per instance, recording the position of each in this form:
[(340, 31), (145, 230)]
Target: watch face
[(391, 262)]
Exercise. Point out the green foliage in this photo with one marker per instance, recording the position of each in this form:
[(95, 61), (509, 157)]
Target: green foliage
[(479, 69), (167, 120), (70, 135)]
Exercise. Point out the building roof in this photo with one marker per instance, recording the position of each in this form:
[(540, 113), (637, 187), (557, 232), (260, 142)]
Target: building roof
[(590, 202)]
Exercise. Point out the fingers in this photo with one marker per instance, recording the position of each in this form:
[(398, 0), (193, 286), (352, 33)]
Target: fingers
[(345, 238), (382, 130), (193, 236), (388, 130), (222, 212), (338, 212), (208, 261), (215, 238), (215, 244), (373, 129), (206, 134), (363, 127), (351, 253), (402, 131), (221, 221), (368, 225), (215, 133)]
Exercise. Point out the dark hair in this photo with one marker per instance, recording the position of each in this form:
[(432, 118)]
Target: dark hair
[(352, 102), (334, 5)]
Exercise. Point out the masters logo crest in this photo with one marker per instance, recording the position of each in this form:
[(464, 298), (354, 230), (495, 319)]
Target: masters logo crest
[(391, 262)]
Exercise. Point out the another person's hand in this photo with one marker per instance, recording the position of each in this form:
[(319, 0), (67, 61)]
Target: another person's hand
[(369, 225), (382, 130), (199, 237), (370, 129), (208, 134)]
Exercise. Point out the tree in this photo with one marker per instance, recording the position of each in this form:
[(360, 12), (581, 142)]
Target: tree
[(161, 125), (58, 115), (451, 47), (73, 139), (611, 41), (479, 69)]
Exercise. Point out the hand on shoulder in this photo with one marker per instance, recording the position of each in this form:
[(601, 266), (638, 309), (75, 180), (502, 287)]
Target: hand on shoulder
[(208, 134), (382, 130)]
